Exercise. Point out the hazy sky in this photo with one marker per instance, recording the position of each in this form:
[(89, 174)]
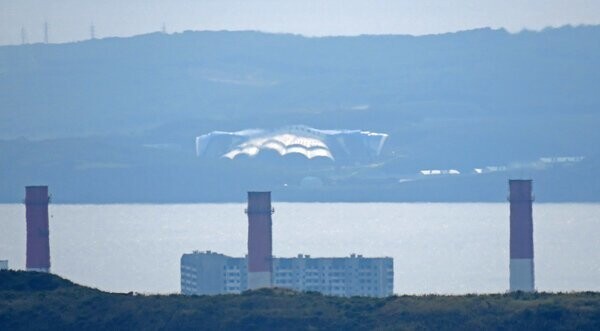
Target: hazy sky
[(70, 20)]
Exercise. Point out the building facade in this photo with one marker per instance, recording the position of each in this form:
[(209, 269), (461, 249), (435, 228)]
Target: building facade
[(3, 264), (213, 273)]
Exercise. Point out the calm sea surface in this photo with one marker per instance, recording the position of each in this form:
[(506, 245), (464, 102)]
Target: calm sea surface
[(437, 247)]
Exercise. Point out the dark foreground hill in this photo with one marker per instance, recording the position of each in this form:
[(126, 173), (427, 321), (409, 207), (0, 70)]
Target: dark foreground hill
[(35, 301)]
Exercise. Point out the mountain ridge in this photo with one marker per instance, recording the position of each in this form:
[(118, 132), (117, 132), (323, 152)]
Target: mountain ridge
[(460, 100)]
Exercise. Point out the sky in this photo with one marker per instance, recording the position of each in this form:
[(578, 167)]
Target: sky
[(70, 20)]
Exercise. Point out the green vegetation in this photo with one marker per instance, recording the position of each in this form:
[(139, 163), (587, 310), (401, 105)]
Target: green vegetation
[(41, 301)]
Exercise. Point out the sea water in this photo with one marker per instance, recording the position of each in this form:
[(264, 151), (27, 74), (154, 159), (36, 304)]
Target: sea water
[(449, 248)]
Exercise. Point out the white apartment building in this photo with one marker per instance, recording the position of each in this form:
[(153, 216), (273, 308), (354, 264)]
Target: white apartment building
[(213, 273)]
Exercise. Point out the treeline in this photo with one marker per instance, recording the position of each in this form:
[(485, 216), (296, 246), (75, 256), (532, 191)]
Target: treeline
[(35, 301)]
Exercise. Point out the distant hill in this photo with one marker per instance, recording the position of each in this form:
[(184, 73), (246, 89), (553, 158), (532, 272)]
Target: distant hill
[(114, 120), (34, 301)]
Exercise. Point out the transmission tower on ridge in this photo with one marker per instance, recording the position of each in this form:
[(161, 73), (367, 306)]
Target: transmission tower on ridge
[(23, 36), (92, 31), (45, 32)]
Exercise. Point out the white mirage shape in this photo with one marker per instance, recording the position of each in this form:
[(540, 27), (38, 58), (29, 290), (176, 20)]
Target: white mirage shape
[(299, 139)]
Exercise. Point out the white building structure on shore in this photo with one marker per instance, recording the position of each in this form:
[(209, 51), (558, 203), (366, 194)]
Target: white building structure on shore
[(214, 273)]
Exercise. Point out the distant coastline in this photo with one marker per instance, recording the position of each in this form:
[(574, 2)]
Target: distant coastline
[(101, 121)]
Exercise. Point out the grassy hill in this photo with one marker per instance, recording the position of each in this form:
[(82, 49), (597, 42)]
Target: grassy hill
[(36, 301)]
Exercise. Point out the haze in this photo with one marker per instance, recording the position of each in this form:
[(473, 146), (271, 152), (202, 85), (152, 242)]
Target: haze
[(70, 20)]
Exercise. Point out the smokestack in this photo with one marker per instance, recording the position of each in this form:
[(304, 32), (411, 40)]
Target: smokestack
[(36, 216), (260, 240), (521, 236)]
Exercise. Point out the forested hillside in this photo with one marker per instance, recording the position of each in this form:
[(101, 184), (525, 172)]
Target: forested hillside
[(35, 301), (88, 117)]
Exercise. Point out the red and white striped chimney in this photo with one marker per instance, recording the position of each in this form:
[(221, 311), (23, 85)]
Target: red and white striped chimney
[(36, 217), (521, 236), (260, 240)]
